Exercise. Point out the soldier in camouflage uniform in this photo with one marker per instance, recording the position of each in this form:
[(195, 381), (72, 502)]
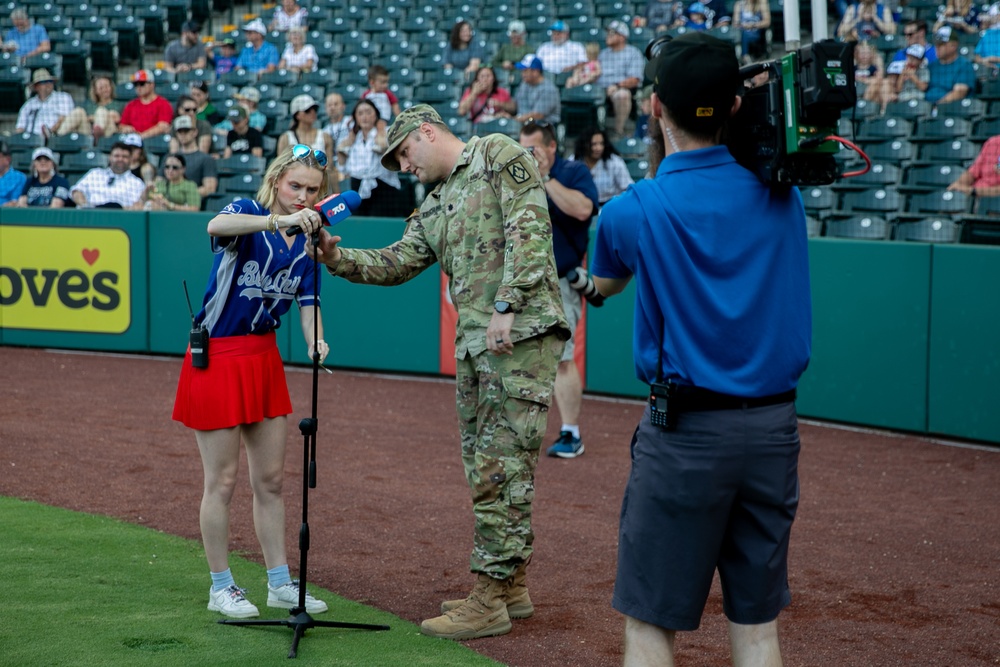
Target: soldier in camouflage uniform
[(487, 223)]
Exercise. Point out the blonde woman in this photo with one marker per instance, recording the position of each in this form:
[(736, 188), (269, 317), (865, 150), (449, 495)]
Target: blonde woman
[(103, 111), (242, 395)]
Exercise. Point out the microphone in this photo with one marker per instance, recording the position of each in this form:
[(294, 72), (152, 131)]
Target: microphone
[(334, 209)]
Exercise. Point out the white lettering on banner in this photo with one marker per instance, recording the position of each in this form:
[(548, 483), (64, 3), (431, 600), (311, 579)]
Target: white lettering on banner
[(272, 286)]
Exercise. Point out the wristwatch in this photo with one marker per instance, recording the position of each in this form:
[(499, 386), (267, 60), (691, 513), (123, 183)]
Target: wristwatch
[(503, 307)]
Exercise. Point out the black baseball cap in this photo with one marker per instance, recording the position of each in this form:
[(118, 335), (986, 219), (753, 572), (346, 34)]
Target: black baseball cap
[(696, 76)]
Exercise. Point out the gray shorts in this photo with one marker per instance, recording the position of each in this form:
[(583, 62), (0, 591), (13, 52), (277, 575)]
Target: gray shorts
[(572, 303), (718, 492)]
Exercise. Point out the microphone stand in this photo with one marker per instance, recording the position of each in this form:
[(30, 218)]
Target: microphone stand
[(299, 619)]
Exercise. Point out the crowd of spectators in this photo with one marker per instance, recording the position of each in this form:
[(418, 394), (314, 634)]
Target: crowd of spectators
[(522, 78)]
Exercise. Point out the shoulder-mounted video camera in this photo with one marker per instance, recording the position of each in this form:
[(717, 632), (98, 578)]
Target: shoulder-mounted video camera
[(785, 130)]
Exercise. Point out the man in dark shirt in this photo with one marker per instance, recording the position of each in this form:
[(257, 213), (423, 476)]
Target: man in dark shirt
[(242, 138)]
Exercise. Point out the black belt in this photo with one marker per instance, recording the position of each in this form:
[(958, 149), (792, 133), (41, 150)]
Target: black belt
[(696, 399)]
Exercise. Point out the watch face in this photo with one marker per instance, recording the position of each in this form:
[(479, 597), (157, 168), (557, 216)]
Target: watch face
[(502, 307)]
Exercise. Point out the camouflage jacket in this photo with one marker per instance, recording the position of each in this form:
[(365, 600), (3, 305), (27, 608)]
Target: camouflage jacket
[(488, 225)]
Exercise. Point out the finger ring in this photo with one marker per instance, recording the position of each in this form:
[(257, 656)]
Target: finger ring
[(499, 340)]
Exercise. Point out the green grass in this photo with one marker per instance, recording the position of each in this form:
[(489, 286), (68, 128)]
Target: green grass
[(86, 590)]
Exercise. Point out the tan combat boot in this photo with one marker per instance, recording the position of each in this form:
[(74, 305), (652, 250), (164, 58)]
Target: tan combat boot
[(482, 614), (515, 596)]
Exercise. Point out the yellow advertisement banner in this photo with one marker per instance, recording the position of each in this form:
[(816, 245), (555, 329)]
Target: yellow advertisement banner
[(65, 279)]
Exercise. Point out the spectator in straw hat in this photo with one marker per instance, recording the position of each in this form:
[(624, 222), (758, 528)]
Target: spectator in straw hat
[(11, 180), (186, 52), (49, 111), (46, 187), (148, 115), (261, 56)]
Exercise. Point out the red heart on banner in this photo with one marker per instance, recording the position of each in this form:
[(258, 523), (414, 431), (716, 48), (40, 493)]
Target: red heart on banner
[(90, 256)]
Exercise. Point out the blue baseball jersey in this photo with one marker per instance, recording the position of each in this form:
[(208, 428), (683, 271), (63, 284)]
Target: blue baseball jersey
[(254, 279)]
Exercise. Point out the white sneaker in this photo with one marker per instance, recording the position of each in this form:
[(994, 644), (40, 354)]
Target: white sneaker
[(287, 596), (231, 601)]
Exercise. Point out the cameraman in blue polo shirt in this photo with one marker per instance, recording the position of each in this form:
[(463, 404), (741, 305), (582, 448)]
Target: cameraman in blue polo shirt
[(722, 334)]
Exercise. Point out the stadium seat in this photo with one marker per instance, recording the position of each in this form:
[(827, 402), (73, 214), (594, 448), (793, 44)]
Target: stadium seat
[(958, 151), (289, 93), (377, 24), (103, 50), (864, 109), (50, 61), (988, 206), (884, 128), (929, 230), (77, 164), (246, 183), (985, 128), (337, 25), (814, 227), (945, 202), (241, 163), (887, 202), (129, 30), (968, 107), (980, 231), (279, 77), (881, 174), (70, 143), (507, 126), (937, 129), (219, 200), (171, 92), (460, 127), (197, 75), (630, 147), (909, 110), (638, 169), (153, 19), (819, 201), (930, 177), (158, 145), (13, 80), (238, 77), (859, 227), (319, 77), (896, 151), (25, 141), (582, 107), (435, 93)]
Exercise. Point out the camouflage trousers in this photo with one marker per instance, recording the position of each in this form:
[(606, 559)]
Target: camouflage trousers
[(503, 405)]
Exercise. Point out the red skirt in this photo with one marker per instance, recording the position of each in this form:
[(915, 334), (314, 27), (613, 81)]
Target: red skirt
[(243, 384)]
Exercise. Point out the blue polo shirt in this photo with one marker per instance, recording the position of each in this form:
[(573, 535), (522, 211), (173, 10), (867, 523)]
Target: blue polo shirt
[(258, 60), (722, 282), (27, 41), (11, 185), (570, 236)]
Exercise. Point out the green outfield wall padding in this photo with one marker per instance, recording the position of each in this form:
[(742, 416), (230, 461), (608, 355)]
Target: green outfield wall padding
[(372, 327), (179, 250), (610, 365), (871, 305), (74, 279), (964, 386)]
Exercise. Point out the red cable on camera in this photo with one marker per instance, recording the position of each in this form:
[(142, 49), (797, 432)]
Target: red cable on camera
[(856, 149)]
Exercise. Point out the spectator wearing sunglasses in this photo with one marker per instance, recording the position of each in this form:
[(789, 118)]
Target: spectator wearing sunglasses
[(186, 106), (200, 166), (174, 192), (242, 394), (113, 186), (149, 115)]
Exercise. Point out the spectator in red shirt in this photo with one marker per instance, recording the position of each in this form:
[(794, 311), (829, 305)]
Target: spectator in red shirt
[(982, 179), (148, 115)]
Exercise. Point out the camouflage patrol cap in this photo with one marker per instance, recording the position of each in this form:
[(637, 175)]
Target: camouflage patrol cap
[(406, 122)]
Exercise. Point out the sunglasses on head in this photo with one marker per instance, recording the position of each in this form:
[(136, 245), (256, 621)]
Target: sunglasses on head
[(301, 151)]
